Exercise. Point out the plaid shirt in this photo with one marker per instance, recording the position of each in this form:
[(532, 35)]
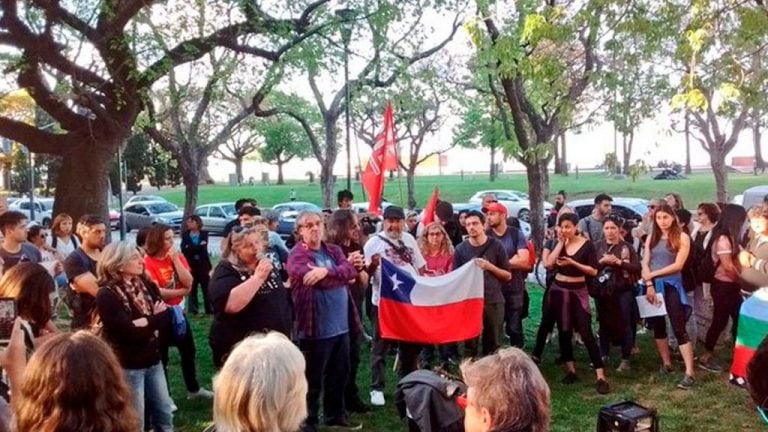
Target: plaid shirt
[(298, 265)]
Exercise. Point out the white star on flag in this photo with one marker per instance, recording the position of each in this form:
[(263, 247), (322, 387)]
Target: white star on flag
[(395, 282)]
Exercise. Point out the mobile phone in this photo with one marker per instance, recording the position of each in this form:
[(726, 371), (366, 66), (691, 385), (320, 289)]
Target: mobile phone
[(7, 316)]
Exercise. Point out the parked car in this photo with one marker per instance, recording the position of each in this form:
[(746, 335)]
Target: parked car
[(143, 198), (517, 202), (142, 214), (43, 209), (631, 209), (287, 212), (753, 196), (362, 207), (114, 219), (216, 216)]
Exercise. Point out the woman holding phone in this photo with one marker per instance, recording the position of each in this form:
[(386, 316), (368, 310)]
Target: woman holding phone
[(666, 250)]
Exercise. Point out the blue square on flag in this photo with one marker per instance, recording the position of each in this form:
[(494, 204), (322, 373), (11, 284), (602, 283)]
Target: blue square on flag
[(396, 284)]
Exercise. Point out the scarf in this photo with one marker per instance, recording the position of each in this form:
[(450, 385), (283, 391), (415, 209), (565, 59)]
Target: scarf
[(134, 295)]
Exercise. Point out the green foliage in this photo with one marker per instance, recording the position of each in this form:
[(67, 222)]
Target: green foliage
[(637, 169), (20, 170), (284, 139)]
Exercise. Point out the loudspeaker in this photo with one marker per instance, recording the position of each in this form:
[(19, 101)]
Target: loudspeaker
[(627, 416)]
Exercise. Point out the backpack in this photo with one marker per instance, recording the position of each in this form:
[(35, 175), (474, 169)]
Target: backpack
[(531, 256), (706, 265)]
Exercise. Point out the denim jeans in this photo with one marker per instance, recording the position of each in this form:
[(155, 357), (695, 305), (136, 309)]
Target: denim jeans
[(149, 384), (327, 374)]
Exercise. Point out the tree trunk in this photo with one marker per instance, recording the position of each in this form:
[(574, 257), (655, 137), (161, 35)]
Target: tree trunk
[(538, 191), (280, 179), (558, 161), (687, 143), (563, 156), (238, 160), (191, 184), (326, 168), (410, 175), (492, 174), (83, 183), (719, 169), (756, 138), (626, 145)]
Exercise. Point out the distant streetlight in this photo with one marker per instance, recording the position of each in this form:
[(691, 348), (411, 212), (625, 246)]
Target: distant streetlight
[(347, 17)]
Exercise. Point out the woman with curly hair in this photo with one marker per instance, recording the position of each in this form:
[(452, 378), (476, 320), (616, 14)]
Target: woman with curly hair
[(74, 383)]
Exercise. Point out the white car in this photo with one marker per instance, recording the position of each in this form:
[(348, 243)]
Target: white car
[(516, 202), (143, 198), (43, 209)]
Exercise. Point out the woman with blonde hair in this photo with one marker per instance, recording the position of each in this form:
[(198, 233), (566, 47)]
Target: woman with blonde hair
[(63, 240), (246, 292), (437, 249), (74, 383), (132, 314), (261, 387)]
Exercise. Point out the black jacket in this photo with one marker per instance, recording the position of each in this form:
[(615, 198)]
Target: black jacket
[(196, 255), (430, 401), (135, 347)]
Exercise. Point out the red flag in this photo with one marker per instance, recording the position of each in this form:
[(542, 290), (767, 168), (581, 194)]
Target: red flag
[(373, 177), (429, 211)]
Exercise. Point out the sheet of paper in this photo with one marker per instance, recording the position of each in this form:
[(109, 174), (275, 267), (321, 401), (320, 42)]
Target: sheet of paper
[(648, 310)]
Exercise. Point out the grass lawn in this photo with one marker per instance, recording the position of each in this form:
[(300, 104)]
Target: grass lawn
[(697, 188), (714, 405)]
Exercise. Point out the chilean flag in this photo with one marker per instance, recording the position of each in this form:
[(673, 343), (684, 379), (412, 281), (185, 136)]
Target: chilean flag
[(431, 310), (753, 328)]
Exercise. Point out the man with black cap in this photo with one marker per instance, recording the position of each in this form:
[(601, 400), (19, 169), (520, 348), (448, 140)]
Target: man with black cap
[(516, 246), (401, 249)]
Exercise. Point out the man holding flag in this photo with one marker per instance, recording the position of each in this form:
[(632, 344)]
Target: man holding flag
[(401, 249), (489, 254)]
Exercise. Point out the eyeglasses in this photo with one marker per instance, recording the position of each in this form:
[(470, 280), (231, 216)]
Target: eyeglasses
[(311, 224), (435, 234)]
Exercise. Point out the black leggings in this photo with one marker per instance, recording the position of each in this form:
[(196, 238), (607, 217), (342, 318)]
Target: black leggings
[(580, 321), (546, 326), (677, 318), (726, 297)]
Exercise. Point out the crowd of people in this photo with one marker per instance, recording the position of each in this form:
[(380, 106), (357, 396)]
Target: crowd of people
[(287, 331)]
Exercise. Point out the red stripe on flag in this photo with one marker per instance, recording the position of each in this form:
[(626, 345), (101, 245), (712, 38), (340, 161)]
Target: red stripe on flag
[(455, 322), (741, 357)]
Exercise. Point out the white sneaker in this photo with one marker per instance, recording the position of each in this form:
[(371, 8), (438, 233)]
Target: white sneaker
[(377, 398), (174, 408), (202, 393)]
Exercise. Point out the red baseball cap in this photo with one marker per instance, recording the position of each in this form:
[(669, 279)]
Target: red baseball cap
[(495, 207)]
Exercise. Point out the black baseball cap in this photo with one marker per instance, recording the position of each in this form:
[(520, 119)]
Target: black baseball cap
[(393, 212)]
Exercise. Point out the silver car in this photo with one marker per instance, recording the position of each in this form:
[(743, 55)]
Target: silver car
[(216, 216), (142, 214), (143, 198)]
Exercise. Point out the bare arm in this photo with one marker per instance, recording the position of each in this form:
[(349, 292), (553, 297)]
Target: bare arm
[(551, 258), (520, 260), (86, 284)]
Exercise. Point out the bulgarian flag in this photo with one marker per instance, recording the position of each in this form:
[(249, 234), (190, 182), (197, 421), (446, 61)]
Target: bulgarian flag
[(753, 328)]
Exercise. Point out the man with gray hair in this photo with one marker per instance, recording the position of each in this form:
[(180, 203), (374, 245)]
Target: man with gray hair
[(505, 392), (319, 276)]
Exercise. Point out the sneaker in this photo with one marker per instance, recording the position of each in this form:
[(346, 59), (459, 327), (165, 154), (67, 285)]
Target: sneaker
[(377, 398), (624, 366), (344, 425), (203, 393), (666, 370), (738, 381), (686, 383), (570, 378), (710, 365), (603, 387), (174, 408)]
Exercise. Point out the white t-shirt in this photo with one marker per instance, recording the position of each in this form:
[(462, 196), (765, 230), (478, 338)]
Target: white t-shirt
[(64, 246), (376, 245)]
